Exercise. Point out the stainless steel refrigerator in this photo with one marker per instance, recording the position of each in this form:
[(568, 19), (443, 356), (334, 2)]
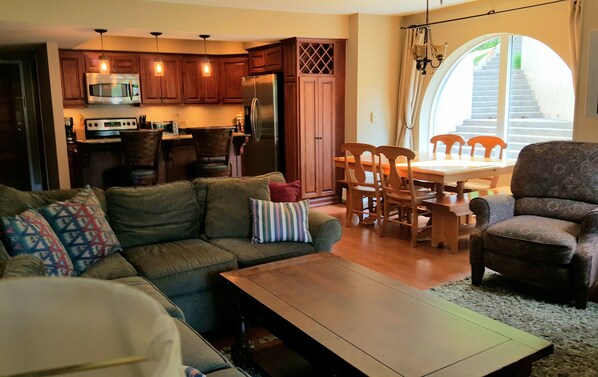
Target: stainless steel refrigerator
[(263, 153)]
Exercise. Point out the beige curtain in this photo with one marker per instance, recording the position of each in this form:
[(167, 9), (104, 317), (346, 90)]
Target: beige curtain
[(575, 36), (410, 91)]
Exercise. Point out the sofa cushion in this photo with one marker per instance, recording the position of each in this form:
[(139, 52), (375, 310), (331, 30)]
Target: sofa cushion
[(148, 288), (30, 234), (201, 187), (279, 222), (564, 209), (113, 266), (13, 201), (81, 225), (228, 211), (534, 238), (251, 254), (285, 192), (181, 267), (154, 214), (197, 352)]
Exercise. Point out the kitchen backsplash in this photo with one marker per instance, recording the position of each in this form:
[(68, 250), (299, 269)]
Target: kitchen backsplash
[(190, 116)]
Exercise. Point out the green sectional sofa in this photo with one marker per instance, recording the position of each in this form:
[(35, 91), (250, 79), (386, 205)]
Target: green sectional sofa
[(176, 239)]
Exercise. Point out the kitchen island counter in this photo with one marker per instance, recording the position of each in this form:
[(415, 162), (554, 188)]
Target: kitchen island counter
[(99, 162)]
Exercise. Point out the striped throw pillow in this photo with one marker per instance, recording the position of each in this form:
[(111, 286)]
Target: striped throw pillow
[(276, 222)]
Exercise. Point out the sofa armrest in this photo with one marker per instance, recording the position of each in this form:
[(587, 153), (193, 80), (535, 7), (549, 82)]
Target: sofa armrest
[(585, 260), (325, 230), (492, 209), (22, 266)]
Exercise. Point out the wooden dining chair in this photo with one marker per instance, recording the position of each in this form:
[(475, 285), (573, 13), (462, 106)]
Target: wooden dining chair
[(489, 143), (362, 183), (212, 150), (141, 153), (403, 200), (449, 140)]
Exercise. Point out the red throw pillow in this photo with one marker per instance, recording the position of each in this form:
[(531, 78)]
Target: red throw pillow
[(284, 192)]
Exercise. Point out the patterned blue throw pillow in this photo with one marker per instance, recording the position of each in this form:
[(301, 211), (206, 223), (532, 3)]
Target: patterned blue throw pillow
[(30, 233), (192, 372), (81, 225), (275, 222)]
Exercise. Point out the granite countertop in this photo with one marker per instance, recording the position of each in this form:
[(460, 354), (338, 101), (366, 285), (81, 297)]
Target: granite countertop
[(164, 137)]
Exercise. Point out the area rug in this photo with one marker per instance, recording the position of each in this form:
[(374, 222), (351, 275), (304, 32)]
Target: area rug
[(573, 332)]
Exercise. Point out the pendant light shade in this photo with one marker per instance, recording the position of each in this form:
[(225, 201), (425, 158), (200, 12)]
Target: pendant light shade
[(158, 64), (205, 65), (104, 62)]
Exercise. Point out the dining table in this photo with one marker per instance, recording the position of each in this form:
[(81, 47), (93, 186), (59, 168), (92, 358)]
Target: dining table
[(442, 169)]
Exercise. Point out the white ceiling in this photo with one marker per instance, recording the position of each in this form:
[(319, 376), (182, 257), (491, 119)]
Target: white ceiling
[(74, 32), (385, 7)]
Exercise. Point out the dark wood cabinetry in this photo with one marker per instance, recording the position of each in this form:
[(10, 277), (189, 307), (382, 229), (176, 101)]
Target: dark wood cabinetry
[(265, 59), (197, 88), (119, 62), (314, 85), (72, 69), (232, 69), (160, 89)]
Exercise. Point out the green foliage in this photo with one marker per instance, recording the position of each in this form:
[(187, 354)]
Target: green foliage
[(516, 61), (488, 44)]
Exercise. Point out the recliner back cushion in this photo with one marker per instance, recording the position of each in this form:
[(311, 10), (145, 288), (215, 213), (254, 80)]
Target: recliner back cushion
[(563, 209), (153, 214), (557, 169)]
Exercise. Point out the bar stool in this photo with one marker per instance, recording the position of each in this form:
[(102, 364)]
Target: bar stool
[(212, 150), (141, 152)]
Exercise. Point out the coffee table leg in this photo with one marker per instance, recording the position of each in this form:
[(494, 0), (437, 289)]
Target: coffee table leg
[(240, 349)]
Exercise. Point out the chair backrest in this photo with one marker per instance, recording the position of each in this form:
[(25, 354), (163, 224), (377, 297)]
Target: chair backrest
[(212, 143), (488, 142), (556, 179), (448, 140), (394, 181), (365, 161), (141, 148)]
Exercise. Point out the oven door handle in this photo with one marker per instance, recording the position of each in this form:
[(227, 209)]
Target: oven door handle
[(131, 90)]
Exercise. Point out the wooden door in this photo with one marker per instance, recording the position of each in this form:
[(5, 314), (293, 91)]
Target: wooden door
[(14, 160), (171, 81), (325, 142), (151, 89), (308, 115), (72, 69), (196, 88), (231, 71)]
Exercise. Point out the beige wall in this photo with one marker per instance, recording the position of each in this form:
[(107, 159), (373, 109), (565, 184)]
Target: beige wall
[(586, 128), (548, 24), (374, 78)]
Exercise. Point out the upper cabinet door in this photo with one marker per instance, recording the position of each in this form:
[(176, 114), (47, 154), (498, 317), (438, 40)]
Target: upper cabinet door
[(265, 59), (73, 70), (119, 62), (197, 88), (232, 69), (160, 90)]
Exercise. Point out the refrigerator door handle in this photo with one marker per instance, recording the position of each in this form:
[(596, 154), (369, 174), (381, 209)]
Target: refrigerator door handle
[(255, 119)]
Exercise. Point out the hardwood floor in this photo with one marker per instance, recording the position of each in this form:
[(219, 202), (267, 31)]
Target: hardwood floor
[(421, 267)]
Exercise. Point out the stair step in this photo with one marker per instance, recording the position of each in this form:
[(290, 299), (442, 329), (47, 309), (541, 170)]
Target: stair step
[(525, 115), (530, 139), (548, 132), (483, 116), (541, 123)]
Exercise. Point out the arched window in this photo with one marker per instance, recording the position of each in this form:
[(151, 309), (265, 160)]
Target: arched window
[(511, 86)]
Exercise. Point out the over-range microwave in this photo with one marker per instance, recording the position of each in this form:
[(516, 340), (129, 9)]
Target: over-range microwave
[(112, 89)]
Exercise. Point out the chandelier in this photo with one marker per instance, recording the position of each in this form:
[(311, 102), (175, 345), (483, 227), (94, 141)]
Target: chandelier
[(424, 50)]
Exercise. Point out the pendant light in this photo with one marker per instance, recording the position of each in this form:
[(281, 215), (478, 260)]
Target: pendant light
[(104, 62), (158, 64), (205, 65), (426, 52)]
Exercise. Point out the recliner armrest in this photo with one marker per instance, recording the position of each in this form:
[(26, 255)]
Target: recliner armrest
[(492, 209), (585, 259), (325, 230)]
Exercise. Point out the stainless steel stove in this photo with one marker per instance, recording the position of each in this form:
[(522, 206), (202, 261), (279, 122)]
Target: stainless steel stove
[(96, 128)]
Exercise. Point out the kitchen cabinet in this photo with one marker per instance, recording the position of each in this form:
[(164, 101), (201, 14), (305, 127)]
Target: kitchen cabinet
[(232, 69), (165, 89), (266, 59), (72, 70), (197, 88), (119, 62), (314, 86)]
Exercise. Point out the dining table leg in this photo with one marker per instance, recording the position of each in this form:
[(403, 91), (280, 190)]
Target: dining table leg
[(439, 189), (460, 188)]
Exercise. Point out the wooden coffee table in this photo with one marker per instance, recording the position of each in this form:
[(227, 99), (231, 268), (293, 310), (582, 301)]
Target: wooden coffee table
[(355, 321)]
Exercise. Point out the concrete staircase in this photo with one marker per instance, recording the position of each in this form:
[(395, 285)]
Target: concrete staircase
[(527, 124)]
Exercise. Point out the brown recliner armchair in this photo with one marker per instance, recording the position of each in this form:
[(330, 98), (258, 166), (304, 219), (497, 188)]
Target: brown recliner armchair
[(546, 232)]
